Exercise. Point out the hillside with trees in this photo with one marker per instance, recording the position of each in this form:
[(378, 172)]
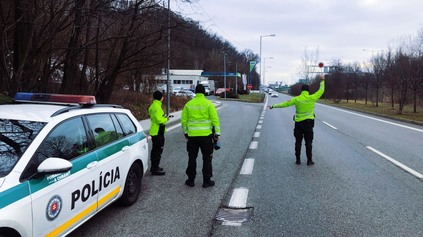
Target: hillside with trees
[(98, 46)]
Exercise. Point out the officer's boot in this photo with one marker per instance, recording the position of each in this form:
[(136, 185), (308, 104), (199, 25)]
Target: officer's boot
[(310, 161), (298, 160), (156, 169)]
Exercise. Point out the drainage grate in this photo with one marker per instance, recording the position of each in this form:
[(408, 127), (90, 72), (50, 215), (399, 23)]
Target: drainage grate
[(234, 216)]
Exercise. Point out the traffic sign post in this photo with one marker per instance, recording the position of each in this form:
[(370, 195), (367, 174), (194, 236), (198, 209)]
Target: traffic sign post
[(252, 65)]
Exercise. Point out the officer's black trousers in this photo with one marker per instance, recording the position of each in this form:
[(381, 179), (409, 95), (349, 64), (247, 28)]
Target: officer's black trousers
[(205, 144), (157, 150), (304, 129)]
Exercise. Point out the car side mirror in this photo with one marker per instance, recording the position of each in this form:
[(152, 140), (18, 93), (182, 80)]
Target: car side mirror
[(54, 165)]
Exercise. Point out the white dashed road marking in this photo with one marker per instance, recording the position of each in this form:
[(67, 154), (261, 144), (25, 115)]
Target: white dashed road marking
[(247, 167), (329, 125), (239, 198), (254, 145)]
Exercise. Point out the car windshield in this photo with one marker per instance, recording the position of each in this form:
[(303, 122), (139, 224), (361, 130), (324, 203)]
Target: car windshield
[(15, 137)]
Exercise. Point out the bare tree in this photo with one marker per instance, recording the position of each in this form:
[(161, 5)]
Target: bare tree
[(402, 73), (25, 15), (308, 64), (6, 26), (391, 81), (72, 60), (417, 68), (379, 65)]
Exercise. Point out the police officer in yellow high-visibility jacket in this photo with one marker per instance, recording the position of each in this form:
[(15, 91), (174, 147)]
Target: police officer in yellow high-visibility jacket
[(304, 119), (157, 130), (199, 117)]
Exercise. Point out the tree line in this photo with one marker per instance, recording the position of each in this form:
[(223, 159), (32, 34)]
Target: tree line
[(392, 76), (98, 46)]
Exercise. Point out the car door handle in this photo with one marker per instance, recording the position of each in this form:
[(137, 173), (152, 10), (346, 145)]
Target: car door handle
[(92, 165), (125, 148)]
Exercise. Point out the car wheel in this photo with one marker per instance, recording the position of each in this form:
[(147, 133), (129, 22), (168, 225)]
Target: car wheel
[(132, 185), (8, 233)]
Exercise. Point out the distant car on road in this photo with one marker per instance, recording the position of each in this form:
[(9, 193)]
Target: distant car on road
[(274, 94), (220, 91), (176, 90), (185, 93)]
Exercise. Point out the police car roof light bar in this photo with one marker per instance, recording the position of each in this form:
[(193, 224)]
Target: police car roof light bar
[(54, 98)]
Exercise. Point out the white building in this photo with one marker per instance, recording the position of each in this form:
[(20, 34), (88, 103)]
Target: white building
[(181, 79)]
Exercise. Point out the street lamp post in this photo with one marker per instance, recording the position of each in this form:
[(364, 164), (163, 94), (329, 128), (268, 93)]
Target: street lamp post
[(236, 76), (168, 59), (261, 37), (373, 50), (264, 66), (224, 73)]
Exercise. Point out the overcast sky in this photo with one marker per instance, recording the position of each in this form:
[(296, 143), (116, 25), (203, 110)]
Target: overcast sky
[(339, 29)]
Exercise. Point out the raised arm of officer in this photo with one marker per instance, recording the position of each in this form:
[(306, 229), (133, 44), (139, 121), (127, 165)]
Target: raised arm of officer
[(321, 90)]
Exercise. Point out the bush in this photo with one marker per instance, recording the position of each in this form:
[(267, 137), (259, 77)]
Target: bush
[(242, 92), (229, 94)]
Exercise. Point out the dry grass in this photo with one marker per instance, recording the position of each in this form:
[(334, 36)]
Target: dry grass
[(383, 109), (252, 97)]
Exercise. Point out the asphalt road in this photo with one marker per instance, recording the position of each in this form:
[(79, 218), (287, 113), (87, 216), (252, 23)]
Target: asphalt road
[(350, 191), (167, 207), (365, 181)]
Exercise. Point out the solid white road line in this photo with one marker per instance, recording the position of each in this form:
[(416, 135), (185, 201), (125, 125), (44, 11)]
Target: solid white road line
[(253, 145), (239, 198), (247, 167), (329, 125), (380, 120), (397, 163)]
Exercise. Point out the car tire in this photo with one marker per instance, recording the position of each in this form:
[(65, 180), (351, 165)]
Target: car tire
[(8, 233), (132, 187)]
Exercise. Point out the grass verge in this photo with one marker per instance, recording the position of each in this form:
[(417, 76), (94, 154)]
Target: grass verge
[(252, 97)]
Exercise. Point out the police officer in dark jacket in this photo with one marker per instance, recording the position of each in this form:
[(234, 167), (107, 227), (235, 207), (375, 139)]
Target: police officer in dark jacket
[(157, 130)]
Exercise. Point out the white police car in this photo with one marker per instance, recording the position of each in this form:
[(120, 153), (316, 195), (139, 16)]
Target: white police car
[(60, 163)]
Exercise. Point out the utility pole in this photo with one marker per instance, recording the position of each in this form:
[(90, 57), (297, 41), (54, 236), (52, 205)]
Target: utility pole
[(168, 59)]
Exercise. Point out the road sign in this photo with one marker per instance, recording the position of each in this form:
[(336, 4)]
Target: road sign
[(220, 74), (249, 86), (252, 65)]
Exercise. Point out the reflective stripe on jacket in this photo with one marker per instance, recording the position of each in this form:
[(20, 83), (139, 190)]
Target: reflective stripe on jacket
[(199, 116), (156, 117), (304, 103)]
